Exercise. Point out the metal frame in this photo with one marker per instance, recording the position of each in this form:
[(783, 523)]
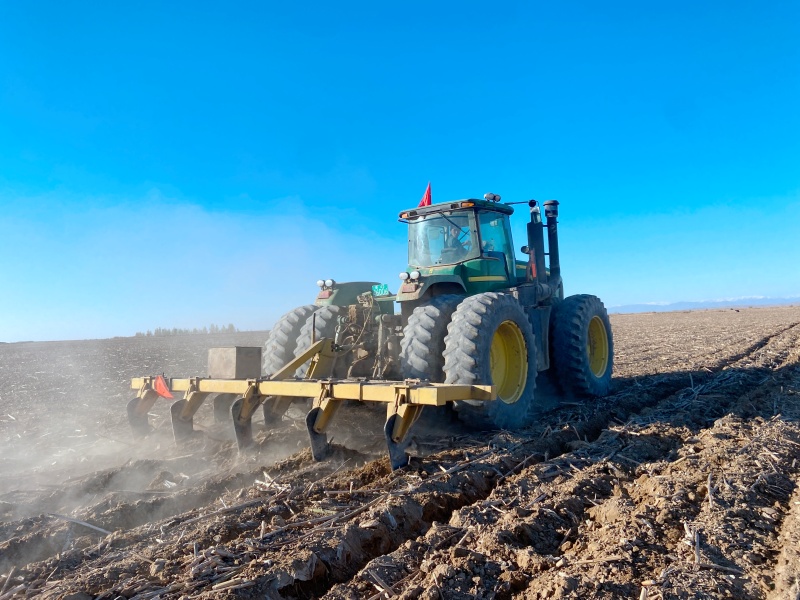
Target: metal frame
[(404, 401)]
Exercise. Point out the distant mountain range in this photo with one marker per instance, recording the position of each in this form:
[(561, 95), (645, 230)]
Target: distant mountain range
[(704, 304)]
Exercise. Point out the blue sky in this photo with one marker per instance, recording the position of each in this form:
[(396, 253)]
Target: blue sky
[(181, 164)]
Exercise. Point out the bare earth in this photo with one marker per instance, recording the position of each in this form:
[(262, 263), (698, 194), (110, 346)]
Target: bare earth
[(681, 484)]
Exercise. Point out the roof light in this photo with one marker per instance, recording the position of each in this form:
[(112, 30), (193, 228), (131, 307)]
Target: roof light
[(329, 283), (403, 275), (467, 204), (414, 275), (491, 197), (320, 283)]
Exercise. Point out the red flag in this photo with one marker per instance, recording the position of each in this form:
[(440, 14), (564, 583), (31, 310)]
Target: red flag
[(161, 387), (426, 197)]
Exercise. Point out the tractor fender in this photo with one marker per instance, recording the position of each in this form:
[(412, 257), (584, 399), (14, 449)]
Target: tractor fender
[(427, 284)]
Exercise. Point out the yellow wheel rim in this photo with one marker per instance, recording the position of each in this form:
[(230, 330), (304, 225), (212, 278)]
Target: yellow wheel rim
[(597, 346), (508, 360)]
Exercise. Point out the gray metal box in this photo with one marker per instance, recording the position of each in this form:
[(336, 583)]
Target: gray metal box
[(236, 362)]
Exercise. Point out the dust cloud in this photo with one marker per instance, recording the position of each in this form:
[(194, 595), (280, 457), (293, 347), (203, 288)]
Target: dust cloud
[(65, 441)]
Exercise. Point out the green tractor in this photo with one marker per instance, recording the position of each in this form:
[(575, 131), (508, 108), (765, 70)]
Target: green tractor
[(470, 313)]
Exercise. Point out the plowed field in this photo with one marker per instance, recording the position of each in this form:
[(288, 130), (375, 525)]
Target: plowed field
[(681, 484)]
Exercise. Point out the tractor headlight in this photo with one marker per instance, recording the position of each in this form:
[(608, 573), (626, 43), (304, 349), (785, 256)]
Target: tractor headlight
[(320, 283), (403, 275), (414, 275), (329, 283)]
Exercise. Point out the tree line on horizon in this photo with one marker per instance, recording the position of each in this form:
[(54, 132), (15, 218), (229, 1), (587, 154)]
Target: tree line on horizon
[(163, 331)]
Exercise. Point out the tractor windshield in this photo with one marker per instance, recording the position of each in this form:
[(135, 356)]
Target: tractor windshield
[(442, 238)]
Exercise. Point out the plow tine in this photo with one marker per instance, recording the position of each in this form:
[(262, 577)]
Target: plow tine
[(182, 428), (319, 440), (222, 407), (138, 409), (138, 418), (317, 421), (242, 425), (242, 411), (274, 408), (400, 418), (183, 411), (397, 450)]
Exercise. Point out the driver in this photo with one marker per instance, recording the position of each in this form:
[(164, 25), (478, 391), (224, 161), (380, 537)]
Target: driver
[(456, 246)]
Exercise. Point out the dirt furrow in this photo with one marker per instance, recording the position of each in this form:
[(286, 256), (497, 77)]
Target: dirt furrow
[(305, 547), (657, 343), (617, 517), (37, 538), (754, 349), (786, 578), (495, 546)]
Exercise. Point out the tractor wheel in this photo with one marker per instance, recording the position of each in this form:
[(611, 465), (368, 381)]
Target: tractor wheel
[(282, 340), (322, 324), (582, 347), (490, 341), (422, 346)]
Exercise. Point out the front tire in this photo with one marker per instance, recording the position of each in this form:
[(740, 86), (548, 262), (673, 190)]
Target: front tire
[(320, 324), (582, 346), (422, 346), (490, 341), (282, 339)]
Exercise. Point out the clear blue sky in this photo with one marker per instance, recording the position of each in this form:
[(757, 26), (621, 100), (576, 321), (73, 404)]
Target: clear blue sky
[(179, 164)]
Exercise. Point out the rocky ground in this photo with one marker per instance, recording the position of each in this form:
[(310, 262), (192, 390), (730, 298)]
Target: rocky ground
[(681, 484)]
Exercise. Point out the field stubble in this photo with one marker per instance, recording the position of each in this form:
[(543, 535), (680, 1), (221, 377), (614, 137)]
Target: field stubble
[(681, 484)]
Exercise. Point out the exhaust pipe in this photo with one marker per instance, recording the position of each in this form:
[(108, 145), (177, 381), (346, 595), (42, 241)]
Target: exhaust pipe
[(536, 243), (551, 213)]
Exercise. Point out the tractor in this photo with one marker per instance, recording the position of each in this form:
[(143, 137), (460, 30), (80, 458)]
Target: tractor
[(470, 313), (475, 328)]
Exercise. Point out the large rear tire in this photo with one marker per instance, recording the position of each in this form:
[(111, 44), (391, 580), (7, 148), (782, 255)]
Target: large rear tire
[(422, 346), (320, 324), (490, 341), (282, 339), (582, 346)]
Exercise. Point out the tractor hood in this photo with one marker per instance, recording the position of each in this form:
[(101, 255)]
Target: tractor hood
[(413, 289)]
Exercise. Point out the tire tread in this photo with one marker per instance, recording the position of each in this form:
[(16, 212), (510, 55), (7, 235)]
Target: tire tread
[(570, 362), (466, 359), (279, 349), (322, 323), (422, 345)]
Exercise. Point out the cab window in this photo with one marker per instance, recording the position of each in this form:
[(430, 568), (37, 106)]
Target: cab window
[(440, 239), (496, 239)]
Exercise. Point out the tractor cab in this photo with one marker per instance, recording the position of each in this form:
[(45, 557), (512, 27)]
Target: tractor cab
[(460, 246)]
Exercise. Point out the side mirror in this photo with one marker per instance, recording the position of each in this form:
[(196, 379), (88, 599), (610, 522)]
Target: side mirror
[(525, 250)]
